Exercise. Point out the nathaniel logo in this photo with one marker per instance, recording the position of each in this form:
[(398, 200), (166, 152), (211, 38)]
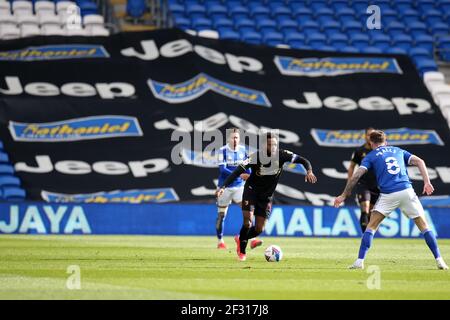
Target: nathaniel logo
[(97, 127), (354, 138), (335, 66), (202, 83), (55, 52), (157, 195)]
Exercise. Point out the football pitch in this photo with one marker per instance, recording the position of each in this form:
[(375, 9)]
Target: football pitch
[(157, 267)]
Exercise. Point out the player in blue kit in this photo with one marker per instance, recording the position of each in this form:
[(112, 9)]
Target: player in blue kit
[(389, 165), (231, 156)]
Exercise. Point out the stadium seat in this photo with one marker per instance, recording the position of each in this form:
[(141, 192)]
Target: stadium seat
[(266, 25), (135, 8), (287, 25), (424, 41), (223, 22), (7, 19), (9, 181), (29, 30), (251, 37), (93, 20), (13, 193), (259, 11), (22, 7), (309, 26), (229, 35), (201, 23), (44, 6), (6, 169), (4, 157), (440, 92), (359, 40), (52, 30), (420, 52), (432, 78), (9, 31), (425, 65), (316, 39), (97, 31), (349, 49)]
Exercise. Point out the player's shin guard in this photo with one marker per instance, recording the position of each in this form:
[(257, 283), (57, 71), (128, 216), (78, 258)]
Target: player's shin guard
[(243, 238), (431, 241), (222, 212), (366, 243), (364, 221)]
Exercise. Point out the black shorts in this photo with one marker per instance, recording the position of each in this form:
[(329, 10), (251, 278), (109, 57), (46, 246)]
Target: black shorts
[(365, 193), (260, 206)]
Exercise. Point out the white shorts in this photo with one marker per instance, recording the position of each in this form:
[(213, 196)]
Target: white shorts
[(229, 194), (406, 200)]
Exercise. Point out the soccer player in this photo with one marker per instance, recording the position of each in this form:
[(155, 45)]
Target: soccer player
[(259, 188), (367, 191), (389, 164), (230, 156)]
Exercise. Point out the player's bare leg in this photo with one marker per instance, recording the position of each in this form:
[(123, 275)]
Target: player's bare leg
[(242, 239), (431, 241), (375, 220), (221, 215)]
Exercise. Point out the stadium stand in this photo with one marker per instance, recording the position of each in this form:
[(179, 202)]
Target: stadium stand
[(10, 187), (409, 26), (41, 17)]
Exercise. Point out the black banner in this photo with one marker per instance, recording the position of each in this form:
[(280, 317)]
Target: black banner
[(81, 116)]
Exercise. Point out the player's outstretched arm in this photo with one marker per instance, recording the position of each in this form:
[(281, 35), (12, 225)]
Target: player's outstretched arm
[(418, 162), (349, 187), (310, 177)]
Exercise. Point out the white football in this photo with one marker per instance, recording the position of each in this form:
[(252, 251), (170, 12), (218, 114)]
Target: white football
[(273, 253)]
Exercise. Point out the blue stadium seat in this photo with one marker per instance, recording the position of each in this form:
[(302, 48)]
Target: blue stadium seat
[(339, 4), (244, 24), (251, 37), (424, 41), (416, 28), (403, 5), (88, 7), (4, 157), (238, 11), (266, 25), (1, 145), (223, 22), (439, 28), (359, 40), (287, 25), (228, 35), (323, 13), (324, 48), (349, 49), (395, 28), (382, 41), (330, 27), (290, 36), (281, 12), (316, 39), (420, 52), (396, 50), (9, 181), (176, 8), (6, 169), (352, 26), (425, 65), (425, 5), (409, 16), (272, 36), (181, 22), (444, 6), (201, 23), (216, 8), (135, 8), (259, 11), (302, 13), (338, 40), (195, 10), (402, 41), (13, 193), (371, 50), (432, 16), (309, 26)]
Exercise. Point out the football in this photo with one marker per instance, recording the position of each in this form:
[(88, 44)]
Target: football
[(273, 253)]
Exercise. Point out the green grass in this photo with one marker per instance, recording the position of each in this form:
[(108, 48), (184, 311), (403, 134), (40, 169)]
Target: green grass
[(150, 267)]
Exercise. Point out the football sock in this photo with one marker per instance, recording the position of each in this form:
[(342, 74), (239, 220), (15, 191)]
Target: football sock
[(252, 233), (431, 241), (243, 238), (220, 222), (366, 242), (364, 221)]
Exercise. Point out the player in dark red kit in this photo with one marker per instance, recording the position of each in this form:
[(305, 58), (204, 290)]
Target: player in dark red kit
[(266, 169)]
